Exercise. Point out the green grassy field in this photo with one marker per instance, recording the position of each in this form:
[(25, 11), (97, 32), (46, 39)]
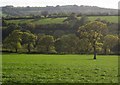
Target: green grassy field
[(38, 68), (39, 21), (113, 19)]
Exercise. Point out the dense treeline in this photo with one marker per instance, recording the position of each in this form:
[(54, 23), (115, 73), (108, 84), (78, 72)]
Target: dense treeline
[(70, 43), (74, 36), (25, 41), (70, 25), (59, 10)]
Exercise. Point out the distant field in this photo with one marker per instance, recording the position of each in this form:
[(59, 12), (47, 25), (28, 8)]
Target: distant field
[(36, 68), (60, 20), (39, 21), (107, 18)]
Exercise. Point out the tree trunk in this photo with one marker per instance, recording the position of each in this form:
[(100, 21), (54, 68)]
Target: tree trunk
[(47, 49), (16, 50), (94, 52), (29, 48), (105, 50)]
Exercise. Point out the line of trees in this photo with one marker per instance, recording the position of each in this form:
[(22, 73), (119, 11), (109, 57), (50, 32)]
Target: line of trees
[(69, 25), (89, 38), (73, 36)]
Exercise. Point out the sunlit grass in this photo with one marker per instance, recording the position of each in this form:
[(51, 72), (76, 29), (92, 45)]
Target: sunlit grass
[(113, 19), (36, 68)]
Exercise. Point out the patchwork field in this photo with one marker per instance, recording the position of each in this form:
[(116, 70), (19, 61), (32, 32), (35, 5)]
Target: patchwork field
[(38, 68), (113, 19)]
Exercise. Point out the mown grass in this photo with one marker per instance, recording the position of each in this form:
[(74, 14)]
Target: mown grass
[(38, 68), (113, 19)]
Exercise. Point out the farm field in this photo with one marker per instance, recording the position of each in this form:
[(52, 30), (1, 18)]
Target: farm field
[(39, 68), (113, 19)]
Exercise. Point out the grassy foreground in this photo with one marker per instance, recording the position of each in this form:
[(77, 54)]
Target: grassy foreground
[(36, 68)]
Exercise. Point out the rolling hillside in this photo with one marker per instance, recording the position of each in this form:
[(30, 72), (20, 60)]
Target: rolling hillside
[(88, 10), (113, 19)]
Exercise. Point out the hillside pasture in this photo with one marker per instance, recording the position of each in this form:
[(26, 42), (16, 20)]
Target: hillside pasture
[(39, 68), (113, 19)]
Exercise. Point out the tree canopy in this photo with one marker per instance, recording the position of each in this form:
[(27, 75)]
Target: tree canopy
[(93, 31)]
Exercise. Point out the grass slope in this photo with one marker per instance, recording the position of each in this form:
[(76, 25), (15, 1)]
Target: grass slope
[(113, 19), (35, 68)]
